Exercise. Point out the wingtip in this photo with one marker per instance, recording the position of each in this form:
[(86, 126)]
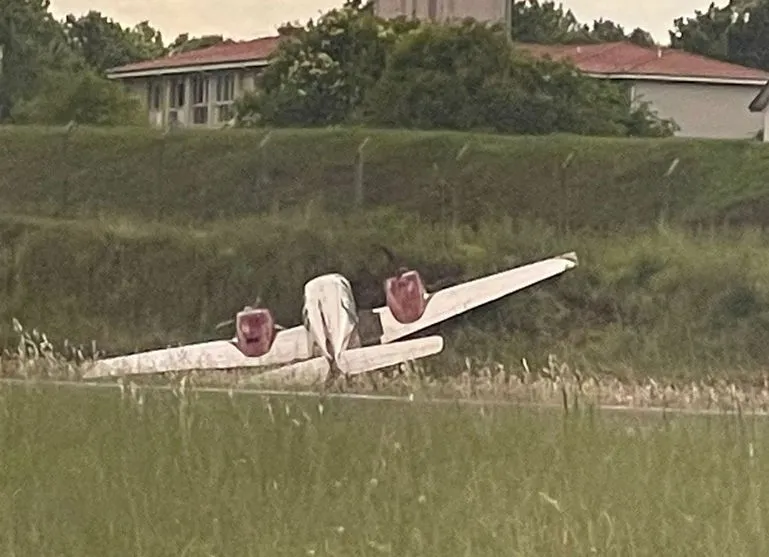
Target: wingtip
[(571, 258), (439, 343)]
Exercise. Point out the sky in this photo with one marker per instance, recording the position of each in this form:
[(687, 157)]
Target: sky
[(247, 19)]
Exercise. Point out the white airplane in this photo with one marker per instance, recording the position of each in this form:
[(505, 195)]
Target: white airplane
[(334, 337)]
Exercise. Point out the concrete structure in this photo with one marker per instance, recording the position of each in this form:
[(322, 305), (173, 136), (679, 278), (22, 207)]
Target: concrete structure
[(446, 10), (706, 98)]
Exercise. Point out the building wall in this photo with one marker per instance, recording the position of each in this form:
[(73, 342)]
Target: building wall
[(701, 110), (157, 95), (704, 110), (441, 10)]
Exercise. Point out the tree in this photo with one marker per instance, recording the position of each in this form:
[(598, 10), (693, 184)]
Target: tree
[(33, 43), (468, 77), (737, 32), (641, 37), (320, 73), (183, 43), (547, 23), (352, 67), (706, 33), (104, 44), (543, 23), (83, 97)]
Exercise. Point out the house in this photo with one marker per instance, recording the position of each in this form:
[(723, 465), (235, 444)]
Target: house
[(197, 87), (705, 97)]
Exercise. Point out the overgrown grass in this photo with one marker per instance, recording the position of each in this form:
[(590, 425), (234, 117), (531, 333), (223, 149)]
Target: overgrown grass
[(93, 473), (664, 303), (195, 176)]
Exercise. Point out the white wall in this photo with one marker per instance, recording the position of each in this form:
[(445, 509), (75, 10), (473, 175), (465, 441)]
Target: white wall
[(704, 110)]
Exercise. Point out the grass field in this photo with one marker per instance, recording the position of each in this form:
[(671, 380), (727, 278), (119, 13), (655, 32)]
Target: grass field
[(199, 176), (135, 240), (662, 303), (96, 472)]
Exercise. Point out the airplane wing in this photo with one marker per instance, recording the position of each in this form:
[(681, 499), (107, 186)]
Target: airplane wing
[(454, 300), (289, 345), (356, 361)]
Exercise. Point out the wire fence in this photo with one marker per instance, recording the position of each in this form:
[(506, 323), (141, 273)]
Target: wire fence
[(183, 175)]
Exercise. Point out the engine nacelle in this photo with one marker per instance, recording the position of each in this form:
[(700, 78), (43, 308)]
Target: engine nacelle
[(255, 330), (406, 296)]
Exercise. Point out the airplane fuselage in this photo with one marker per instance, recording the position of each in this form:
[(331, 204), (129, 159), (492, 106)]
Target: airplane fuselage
[(329, 314)]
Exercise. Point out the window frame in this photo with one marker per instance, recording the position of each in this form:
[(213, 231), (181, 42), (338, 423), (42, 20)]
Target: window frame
[(225, 96), (200, 83)]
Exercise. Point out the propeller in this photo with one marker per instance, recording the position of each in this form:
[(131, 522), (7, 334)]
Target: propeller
[(398, 263), (395, 261), (228, 322), (257, 303)]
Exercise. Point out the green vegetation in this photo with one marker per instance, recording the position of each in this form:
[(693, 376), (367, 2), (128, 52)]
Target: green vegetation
[(136, 240), (202, 176), (736, 32), (352, 67), (54, 71), (199, 475), (660, 302)]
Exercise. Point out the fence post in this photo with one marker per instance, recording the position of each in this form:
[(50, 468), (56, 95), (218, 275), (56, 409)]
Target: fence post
[(68, 130), (161, 171), (264, 175), (566, 191), (440, 183), (454, 187), (359, 165), (664, 214)]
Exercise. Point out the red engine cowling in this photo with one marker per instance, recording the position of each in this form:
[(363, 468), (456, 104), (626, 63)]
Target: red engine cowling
[(406, 296), (255, 331)]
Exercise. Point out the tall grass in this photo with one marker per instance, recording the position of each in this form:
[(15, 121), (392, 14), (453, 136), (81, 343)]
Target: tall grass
[(197, 176), (665, 302), (150, 473)]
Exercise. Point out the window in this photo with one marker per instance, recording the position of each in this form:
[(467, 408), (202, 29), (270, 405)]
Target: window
[(224, 113), (225, 96), (200, 99), (154, 90), (177, 99), (177, 92), (225, 88)]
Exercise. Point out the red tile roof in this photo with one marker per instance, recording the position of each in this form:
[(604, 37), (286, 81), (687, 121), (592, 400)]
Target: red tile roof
[(624, 58), (222, 53), (618, 58)]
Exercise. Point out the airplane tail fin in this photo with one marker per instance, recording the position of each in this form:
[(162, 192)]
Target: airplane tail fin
[(356, 361)]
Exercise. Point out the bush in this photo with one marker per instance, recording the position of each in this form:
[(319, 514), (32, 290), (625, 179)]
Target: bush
[(352, 67), (321, 74), (85, 98), (468, 77)]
